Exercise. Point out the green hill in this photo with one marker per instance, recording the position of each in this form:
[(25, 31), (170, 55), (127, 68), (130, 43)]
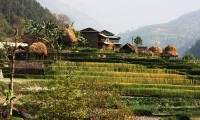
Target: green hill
[(20, 11)]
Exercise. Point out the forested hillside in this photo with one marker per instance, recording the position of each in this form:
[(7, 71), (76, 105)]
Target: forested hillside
[(20, 11), (195, 49)]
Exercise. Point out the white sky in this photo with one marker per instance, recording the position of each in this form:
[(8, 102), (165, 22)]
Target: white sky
[(122, 15)]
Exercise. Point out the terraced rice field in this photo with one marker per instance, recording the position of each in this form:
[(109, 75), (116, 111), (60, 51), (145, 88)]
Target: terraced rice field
[(141, 87), (135, 81)]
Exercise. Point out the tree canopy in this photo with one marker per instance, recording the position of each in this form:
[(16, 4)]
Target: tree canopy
[(138, 41), (20, 11)]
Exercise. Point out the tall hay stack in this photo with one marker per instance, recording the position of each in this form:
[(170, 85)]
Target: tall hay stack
[(156, 50), (69, 34), (170, 51), (38, 49)]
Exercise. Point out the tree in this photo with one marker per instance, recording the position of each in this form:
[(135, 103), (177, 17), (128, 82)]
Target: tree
[(11, 50), (61, 20), (81, 40), (188, 57), (138, 41)]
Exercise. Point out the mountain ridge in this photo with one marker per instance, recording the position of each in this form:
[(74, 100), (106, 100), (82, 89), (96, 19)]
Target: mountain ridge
[(182, 32)]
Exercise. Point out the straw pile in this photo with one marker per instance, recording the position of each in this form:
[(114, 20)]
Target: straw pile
[(150, 53), (170, 51), (110, 46), (156, 50), (69, 34), (38, 48)]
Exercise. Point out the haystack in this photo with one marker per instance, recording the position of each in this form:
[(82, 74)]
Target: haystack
[(150, 53), (156, 50), (38, 49), (69, 34), (110, 46), (170, 51)]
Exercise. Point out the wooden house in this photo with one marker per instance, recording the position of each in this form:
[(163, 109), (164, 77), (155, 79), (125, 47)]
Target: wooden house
[(129, 48), (101, 40), (142, 49), (114, 39)]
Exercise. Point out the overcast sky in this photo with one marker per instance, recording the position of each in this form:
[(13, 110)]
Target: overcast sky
[(122, 15)]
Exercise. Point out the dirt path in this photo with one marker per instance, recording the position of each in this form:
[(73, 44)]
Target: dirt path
[(147, 118), (6, 80)]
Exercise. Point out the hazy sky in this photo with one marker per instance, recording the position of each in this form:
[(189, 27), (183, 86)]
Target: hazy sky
[(122, 15)]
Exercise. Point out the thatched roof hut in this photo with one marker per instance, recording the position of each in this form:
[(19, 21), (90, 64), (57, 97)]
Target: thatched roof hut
[(156, 50), (170, 51)]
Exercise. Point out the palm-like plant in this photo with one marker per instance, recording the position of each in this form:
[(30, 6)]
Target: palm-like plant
[(50, 34)]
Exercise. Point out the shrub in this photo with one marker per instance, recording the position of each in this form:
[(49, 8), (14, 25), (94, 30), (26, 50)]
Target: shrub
[(142, 112), (2, 54), (182, 117), (188, 57)]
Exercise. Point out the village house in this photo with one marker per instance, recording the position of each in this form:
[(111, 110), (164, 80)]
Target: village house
[(102, 40), (142, 49), (129, 48)]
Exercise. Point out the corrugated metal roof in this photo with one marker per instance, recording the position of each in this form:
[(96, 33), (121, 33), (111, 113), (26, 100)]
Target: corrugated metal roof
[(13, 44), (114, 37)]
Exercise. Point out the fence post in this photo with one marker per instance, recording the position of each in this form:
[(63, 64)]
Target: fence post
[(1, 74)]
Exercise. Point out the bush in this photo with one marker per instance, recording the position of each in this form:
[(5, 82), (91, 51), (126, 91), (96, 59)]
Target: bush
[(2, 54), (182, 117), (188, 57), (142, 112)]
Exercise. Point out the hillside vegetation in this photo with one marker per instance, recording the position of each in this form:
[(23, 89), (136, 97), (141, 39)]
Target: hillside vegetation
[(20, 11), (195, 49)]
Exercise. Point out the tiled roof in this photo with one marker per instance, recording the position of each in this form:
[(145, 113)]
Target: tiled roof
[(89, 30), (105, 32)]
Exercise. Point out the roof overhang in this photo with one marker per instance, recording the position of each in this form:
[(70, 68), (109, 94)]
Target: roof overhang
[(111, 37), (117, 43)]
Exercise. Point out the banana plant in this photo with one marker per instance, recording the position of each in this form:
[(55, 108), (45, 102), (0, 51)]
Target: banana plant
[(50, 34), (9, 97), (33, 28)]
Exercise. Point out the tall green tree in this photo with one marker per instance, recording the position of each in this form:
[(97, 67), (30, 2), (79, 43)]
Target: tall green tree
[(138, 41)]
